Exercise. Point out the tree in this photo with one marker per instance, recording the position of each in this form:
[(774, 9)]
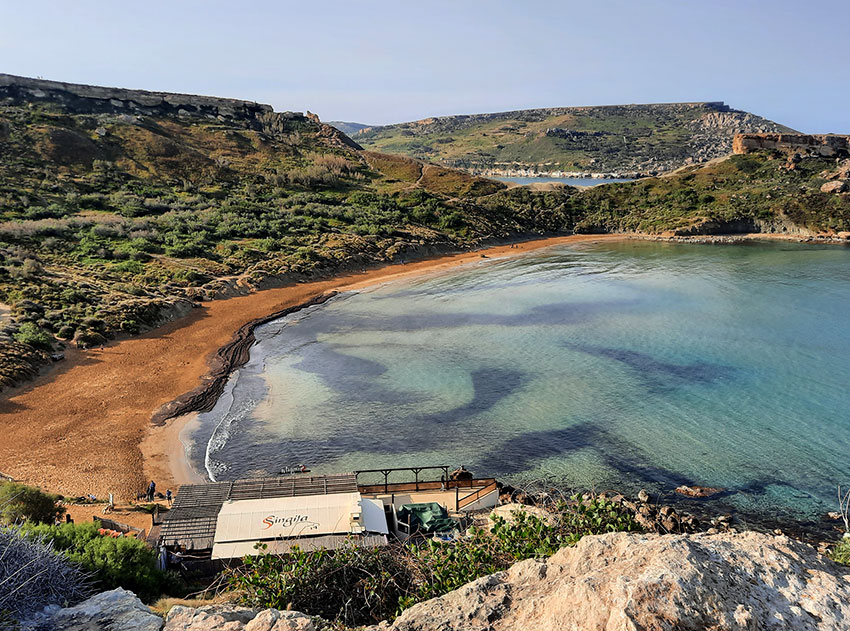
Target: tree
[(20, 503)]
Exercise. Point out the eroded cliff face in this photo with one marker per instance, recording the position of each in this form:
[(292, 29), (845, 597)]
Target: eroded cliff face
[(75, 98), (825, 145), (91, 99)]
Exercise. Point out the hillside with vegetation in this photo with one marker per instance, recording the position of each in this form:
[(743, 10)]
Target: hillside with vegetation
[(349, 129), (758, 192), (625, 140), (119, 209)]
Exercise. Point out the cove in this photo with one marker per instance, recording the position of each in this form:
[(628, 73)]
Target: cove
[(620, 365)]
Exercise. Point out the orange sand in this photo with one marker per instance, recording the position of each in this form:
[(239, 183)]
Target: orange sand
[(85, 426)]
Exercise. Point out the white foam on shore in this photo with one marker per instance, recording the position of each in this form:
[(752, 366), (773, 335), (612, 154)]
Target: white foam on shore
[(231, 416)]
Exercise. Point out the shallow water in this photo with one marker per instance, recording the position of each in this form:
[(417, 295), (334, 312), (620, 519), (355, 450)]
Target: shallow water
[(570, 181), (616, 365)]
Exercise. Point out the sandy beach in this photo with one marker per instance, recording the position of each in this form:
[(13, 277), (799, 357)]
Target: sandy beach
[(85, 427)]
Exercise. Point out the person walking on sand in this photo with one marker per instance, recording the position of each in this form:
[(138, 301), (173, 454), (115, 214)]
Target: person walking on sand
[(168, 496), (151, 490)]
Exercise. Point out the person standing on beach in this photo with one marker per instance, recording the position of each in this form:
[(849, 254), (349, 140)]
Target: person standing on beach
[(151, 490)]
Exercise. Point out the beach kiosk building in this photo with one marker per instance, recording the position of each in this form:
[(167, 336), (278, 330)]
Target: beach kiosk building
[(225, 520)]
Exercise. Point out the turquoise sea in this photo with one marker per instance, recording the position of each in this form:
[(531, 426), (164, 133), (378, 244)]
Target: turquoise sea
[(597, 366)]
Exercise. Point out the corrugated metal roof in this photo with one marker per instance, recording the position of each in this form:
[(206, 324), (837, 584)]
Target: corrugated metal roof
[(263, 488), (197, 533), (191, 522)]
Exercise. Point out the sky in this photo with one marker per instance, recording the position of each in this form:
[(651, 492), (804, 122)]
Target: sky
[(379, 62)]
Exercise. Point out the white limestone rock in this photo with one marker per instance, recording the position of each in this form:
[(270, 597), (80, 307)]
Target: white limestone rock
[(629, 582), (116, 610)]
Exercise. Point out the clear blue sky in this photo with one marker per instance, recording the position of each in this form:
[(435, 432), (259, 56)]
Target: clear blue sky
[(377, 61)]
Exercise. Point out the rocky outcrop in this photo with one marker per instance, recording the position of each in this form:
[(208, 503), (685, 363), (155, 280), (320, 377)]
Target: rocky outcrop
[(627, 582), (116, 610), (614, 582), (93, 99), (836, 186), (826, 145), (697, 491), (233, 618)]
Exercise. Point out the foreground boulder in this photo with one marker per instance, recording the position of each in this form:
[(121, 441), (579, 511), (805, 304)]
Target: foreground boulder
[(627, 582), (233, 618), (116, 610)]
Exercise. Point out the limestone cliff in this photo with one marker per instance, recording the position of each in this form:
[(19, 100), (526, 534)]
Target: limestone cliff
[(77, 98), (825, 145), (626, 582)]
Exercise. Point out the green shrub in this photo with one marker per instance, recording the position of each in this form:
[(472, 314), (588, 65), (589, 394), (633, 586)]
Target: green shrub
[(20, 503), (30, 333), (443, 567), (88, 339), (594, 516), (65, 332), (130, 267), (114, 562), (840, 552), (352, 585)]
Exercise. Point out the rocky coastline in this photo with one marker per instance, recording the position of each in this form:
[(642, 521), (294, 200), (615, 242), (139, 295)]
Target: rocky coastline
[(695, 510)]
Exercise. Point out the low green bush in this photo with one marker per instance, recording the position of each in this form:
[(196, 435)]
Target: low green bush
[(88, 339), (21, 503), (352, 585), (32, 334), (113, 561), (840, 552)]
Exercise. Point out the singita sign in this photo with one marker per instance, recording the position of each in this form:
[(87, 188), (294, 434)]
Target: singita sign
[(287, 517)]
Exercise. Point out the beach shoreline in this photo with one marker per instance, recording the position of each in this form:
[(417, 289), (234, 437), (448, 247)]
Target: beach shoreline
[(80, 428), (86, 426)]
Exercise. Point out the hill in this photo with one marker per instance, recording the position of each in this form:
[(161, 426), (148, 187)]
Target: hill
[(347, 128), (627, 140), (117, 207), (120, 208)]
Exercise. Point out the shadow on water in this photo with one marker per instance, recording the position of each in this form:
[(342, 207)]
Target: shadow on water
[(374, 434), (556, 313), (519, 454), (658, 376)]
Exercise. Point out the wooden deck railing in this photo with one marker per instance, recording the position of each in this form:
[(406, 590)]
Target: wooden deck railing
[(466, 500), (432, 485)]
